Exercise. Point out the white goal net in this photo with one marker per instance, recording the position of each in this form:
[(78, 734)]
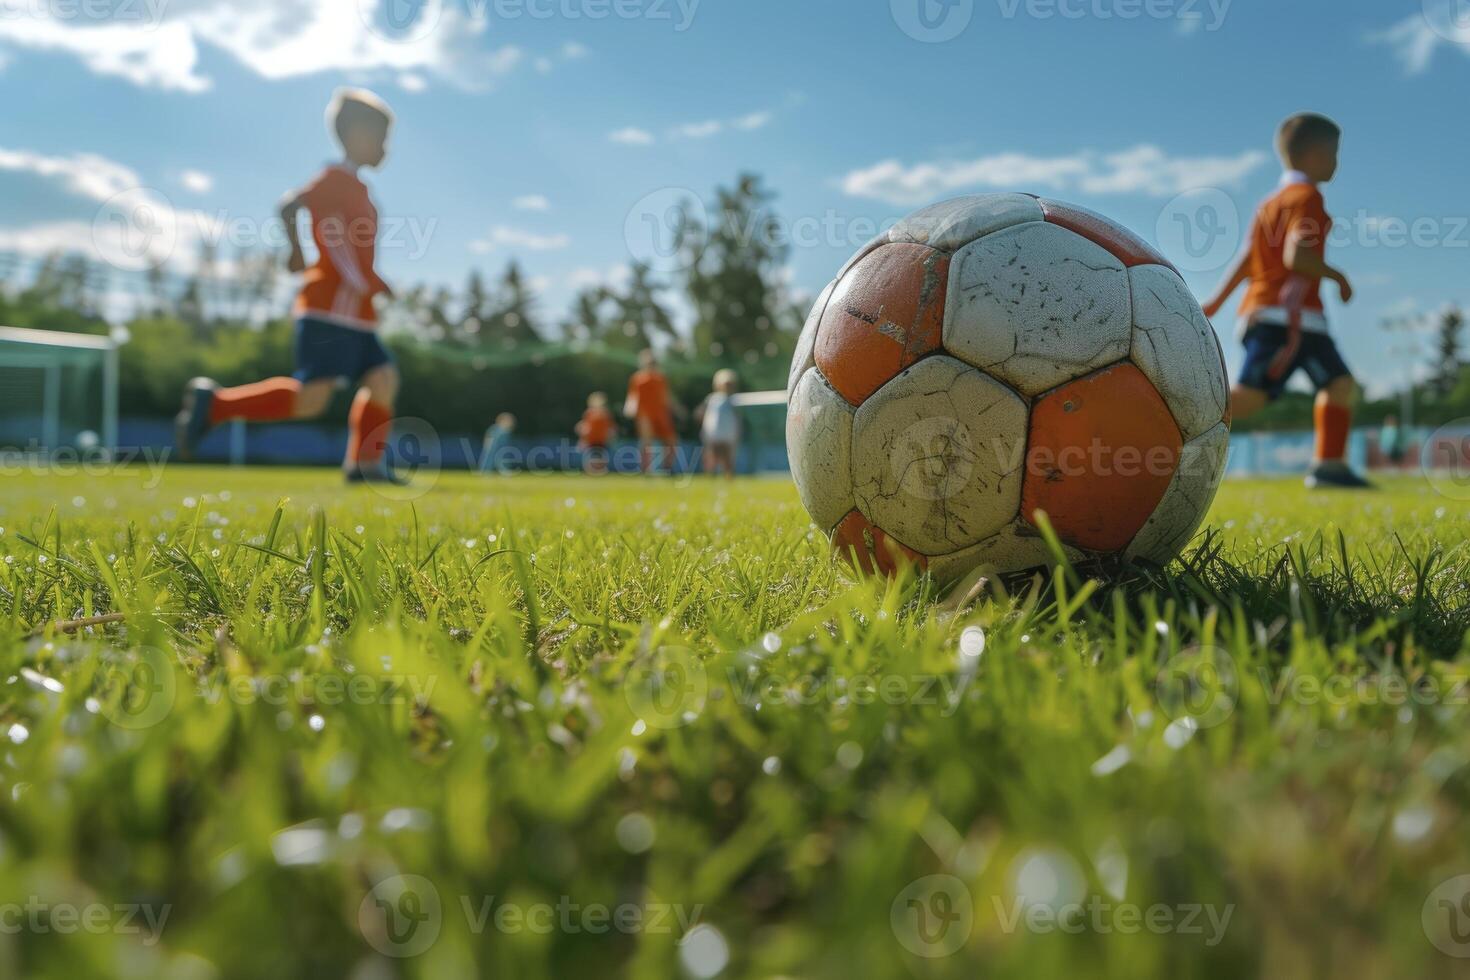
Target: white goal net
[(57, 391)]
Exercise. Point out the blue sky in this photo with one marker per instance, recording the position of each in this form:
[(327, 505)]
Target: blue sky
[(534, 128)]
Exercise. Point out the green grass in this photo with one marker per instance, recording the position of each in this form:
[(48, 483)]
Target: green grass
[(314, 691)]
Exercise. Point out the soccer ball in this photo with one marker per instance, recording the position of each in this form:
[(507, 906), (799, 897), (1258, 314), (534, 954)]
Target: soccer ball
[(997, 356)]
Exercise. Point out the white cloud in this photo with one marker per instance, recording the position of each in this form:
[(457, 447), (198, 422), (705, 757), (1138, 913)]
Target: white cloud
[(1142, 170), (197, 181), (85, 174), (503, 235), (589, 277), (632, 136), (276, 39), (700, 130), (1416, 38), (543, 65), (756, 120), (574, 50), (411, 82), (531, 202)]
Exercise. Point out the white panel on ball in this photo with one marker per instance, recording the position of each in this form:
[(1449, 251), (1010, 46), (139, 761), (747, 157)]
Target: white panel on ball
[(1175, 346), (1184, 505), (805, 356), (819, 442), (1037, 305), (1015, 548), (937, 456), (950, 225)]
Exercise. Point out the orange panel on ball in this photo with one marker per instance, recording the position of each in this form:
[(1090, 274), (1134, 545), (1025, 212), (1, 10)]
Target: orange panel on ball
[(1101, 453), (870, 548), (885, 314)]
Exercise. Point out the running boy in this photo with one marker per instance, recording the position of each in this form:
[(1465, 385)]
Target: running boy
[(1283, 323), (651, 407), (336, 335)]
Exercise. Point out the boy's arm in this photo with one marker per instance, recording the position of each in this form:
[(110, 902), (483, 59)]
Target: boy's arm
[(1238, 275), (291, 207), (1310, 262)]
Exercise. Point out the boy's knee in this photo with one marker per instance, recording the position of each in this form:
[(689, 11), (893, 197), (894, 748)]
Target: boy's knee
[(1245, 402), (1341, 391)]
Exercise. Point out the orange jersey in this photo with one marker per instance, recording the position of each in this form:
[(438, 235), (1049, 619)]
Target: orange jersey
[(648, 391), (596, 427), (1298, 211), (344, 224)]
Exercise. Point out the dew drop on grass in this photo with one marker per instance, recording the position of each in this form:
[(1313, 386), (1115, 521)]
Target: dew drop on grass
[(639, 727), (771, 642), (1412, 824), (635, 833), (18, 733), (972, 642), (316, 723), (849, 755), (1180, 731), (704, 951), (771, 766)]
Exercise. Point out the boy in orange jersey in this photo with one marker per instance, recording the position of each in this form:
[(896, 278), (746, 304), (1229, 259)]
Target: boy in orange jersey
[(651, 406), (595, 432), (1283, 324), (336, 336)]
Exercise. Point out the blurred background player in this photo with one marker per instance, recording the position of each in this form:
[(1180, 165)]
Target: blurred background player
[(336, 324), (719, 425), (595, 433), (651, 406), (497, 441), (1283, 323)]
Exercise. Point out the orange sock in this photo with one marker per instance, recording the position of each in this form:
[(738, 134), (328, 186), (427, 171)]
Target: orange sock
[(265, 401), (367, 434), (1332, 423)]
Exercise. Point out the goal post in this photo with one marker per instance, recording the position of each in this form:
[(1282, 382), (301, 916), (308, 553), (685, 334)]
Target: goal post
[(763, 418), (57, 391)]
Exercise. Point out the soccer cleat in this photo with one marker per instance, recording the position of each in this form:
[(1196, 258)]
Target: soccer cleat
[(1335, 475), (192, 423), (375, 474)]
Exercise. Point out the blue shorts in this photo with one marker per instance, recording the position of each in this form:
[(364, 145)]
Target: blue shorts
[(329, 350), (1317, 356)]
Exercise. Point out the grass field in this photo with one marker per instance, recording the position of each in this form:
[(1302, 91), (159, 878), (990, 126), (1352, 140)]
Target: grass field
[(555, 727)]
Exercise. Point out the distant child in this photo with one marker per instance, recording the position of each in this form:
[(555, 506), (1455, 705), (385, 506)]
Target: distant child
[(336, 324), (497, 441), (595, 433), (1283, 324), (651, 406), (1393, 442), (719, 425)]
